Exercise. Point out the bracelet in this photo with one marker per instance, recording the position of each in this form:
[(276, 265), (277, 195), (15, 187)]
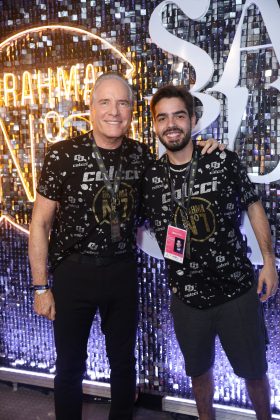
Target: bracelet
[(40, 287), (41, 292)]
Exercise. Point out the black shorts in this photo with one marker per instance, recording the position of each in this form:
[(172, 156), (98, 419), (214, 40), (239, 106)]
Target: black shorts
[(240, 327)]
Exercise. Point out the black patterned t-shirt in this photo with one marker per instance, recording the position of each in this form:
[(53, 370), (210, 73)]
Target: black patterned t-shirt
[(218, 269), (71, 176)]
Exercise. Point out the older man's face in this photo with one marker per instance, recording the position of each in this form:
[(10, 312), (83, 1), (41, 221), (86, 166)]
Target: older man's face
[(111, 113)]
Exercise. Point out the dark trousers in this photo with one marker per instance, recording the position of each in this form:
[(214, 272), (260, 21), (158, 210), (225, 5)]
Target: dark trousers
[(79, 289)]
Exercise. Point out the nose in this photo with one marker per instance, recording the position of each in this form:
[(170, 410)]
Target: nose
[(114, 109), (171, 121)]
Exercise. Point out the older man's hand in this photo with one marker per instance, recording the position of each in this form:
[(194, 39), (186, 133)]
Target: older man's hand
[(208, 146)]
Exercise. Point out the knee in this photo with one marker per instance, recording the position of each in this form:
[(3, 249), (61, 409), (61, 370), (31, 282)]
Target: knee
[(70, 371), (122, 365)]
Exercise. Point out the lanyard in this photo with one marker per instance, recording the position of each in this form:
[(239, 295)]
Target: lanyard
[(189, 181), (112, 188), (191, 174)]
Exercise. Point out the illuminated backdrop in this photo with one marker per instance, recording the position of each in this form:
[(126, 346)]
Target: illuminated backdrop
[(46, 73)]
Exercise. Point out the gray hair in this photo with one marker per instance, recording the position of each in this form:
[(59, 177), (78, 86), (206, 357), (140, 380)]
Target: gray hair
[(110, 76)]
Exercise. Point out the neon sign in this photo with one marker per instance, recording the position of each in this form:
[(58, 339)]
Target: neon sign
[(42, 105), (31, 88)]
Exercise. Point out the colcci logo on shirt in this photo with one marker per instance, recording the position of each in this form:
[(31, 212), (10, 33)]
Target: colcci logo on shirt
[(204, 188), (102, 204), (128, 175)]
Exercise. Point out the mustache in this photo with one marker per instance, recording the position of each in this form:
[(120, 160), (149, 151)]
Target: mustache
[(172, 129)]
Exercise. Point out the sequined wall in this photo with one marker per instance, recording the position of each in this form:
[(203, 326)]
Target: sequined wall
[(45, 76)]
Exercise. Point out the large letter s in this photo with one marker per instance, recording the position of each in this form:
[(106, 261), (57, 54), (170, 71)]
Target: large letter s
[(198, 58)]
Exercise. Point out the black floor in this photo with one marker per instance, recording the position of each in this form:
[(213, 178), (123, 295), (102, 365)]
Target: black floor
[(30, 403)]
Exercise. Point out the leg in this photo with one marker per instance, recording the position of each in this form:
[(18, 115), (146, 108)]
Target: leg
[(119, 324), (242, 333), (71, 330), (259, 393), (196, 337), (203, 389)]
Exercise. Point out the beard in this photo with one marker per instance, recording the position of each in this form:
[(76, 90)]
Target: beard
[(175, 145)]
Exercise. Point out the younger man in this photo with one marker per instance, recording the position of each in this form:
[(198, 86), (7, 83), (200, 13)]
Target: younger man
[(200, 199)]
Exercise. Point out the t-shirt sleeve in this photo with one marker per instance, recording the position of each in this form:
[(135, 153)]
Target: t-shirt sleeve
[(246, 189), (50, 182)]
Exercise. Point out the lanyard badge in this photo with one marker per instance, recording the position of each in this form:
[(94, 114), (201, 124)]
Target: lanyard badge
[(115, 222), (175, 244)]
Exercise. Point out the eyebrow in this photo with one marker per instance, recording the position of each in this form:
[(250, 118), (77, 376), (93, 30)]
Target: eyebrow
[(163, 114), (109, 99)]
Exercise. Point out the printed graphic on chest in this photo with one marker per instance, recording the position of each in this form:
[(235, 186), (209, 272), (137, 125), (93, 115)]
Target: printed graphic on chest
[(101, 206), (201, 219)]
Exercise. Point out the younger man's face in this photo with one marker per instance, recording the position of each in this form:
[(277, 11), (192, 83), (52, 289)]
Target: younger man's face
[(172, 123)]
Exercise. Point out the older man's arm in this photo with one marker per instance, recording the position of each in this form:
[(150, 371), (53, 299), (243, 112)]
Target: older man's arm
[(42, 219), (268, 275)]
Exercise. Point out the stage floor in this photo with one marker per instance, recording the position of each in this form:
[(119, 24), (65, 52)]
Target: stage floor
[(27, 402)]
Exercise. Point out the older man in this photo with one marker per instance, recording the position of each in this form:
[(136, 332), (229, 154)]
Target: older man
[(89, 187)]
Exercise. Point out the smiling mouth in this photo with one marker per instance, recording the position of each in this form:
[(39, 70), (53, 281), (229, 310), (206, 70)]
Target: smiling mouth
[(173, 134)]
